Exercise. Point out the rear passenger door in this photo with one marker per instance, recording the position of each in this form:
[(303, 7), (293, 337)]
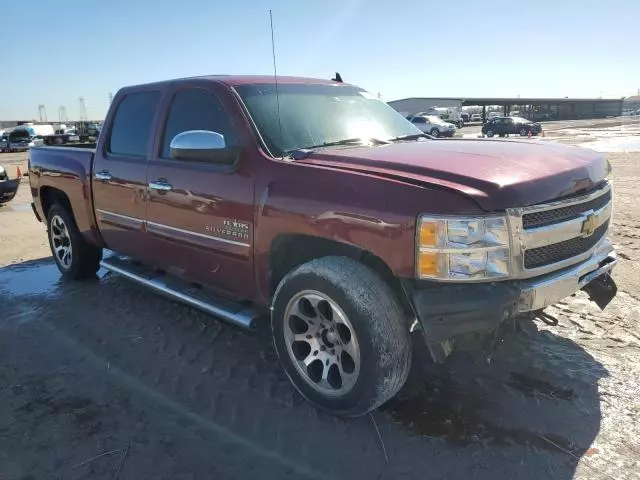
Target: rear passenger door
[(119, 181), (201, 225)]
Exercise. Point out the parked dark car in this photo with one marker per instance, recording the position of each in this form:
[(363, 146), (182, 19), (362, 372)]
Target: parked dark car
[(503, 126), (8, 187)]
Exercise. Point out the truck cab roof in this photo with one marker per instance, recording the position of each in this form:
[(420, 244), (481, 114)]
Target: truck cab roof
[(235, 80)]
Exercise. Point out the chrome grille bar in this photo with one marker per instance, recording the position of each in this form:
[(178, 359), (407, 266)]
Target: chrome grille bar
[(582, 223)]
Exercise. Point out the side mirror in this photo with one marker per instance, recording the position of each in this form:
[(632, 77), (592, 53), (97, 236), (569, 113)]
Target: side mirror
[(200, 145)]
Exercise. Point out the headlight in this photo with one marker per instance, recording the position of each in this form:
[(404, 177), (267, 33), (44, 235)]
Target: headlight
[(463, 249)]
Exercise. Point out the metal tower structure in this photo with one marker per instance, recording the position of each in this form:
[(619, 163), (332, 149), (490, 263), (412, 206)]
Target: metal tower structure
[(82, 110), (42, 110), (62, 114)]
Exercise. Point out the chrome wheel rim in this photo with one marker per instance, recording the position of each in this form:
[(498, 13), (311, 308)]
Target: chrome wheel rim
[(321, 343), (61, 242)]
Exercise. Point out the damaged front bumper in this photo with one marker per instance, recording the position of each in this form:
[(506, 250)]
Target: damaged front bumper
[(445, 311)]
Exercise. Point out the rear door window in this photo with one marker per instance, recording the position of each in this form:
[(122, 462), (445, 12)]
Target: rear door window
[(133, 123), (196, 109)]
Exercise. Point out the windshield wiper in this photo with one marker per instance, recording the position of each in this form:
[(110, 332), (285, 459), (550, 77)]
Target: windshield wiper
[(413, 136), (303, 152), (347, 141)]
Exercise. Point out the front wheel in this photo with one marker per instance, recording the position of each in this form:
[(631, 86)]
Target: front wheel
[(74, 257), (341, 336), (435, 132), (524, 132), (490, 133)]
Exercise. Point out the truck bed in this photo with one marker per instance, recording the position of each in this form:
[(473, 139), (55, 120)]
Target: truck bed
[(65, 169)]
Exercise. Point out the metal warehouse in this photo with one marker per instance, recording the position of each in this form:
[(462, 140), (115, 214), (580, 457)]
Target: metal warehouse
[(532, 108)]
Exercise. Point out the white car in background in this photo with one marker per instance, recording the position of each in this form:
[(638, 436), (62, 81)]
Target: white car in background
[(433, 125), (476, 117)]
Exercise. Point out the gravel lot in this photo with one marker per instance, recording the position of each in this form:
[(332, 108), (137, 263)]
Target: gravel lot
[(103, 380)]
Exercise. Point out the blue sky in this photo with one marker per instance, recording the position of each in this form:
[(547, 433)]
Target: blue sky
[(575, 48)]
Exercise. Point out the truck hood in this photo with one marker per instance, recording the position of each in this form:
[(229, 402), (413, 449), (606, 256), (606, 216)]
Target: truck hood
[(497, 174)]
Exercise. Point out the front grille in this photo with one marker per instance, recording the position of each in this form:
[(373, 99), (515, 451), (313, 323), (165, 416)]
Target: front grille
[(563, 214), (541, 256)]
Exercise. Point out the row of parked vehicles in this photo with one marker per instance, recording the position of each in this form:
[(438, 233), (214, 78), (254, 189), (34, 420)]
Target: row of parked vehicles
[(22, 137), (495, 125)]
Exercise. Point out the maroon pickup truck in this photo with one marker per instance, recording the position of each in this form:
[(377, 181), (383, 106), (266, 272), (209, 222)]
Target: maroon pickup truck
[(318, 203)]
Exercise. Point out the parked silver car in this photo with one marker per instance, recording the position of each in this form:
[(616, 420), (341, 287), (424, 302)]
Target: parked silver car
[(433, 125)]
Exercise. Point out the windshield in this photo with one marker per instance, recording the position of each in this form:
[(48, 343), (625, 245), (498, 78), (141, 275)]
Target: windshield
[(19, 135), (315, 114)]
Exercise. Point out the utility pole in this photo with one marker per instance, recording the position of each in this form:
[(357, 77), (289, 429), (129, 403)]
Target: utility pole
[(43, 113)]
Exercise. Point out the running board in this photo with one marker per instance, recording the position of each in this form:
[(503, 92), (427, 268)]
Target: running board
[(239, 314)]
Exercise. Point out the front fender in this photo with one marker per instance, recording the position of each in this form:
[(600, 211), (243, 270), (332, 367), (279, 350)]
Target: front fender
[(374, 214)]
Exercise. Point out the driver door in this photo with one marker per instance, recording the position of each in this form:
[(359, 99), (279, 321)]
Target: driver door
[(200, 213)]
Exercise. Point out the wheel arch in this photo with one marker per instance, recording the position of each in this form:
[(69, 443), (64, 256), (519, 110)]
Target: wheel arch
[(288, 251), (50, 196)]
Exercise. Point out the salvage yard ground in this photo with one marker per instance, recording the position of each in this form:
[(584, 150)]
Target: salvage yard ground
[(103, 379)]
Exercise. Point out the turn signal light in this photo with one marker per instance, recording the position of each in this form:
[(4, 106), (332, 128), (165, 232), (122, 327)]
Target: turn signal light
[(428, 234), (428, 264)]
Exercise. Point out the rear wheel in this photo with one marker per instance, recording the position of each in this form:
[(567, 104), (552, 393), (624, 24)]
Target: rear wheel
[(341, 336), (74, 257)]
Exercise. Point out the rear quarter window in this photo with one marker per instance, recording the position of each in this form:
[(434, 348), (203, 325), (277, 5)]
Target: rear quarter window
[(132, 124)]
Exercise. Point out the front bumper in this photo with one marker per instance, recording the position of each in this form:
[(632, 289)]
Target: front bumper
[(449, 310), (447, 133), (8, 189)]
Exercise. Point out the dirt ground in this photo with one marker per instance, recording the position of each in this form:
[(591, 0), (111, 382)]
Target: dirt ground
[(103, 380)]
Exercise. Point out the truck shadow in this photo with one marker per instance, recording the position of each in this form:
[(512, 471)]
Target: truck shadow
[(531, 413), (536, 403)]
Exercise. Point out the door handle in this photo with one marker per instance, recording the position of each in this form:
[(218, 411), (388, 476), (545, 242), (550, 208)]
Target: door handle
[(161, 185), (103, 176)]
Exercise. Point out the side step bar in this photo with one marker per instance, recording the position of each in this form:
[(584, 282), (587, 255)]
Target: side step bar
[(235, 313)]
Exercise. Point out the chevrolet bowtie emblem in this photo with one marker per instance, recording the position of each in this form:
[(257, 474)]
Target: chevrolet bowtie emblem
[(589, 225)]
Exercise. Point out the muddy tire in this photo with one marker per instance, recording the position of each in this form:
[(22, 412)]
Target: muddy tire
[(341, 336), (75, 258)]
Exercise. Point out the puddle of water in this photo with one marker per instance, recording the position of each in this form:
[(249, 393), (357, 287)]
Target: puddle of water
[(15, 207), (36, 277), (444, 411), (21, 207), (39, 277)]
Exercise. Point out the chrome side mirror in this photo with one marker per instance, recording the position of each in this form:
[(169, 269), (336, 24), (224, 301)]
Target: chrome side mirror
[(200, 145)]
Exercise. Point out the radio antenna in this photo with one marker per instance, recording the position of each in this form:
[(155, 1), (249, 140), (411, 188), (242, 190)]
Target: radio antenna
[(275, 76)]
